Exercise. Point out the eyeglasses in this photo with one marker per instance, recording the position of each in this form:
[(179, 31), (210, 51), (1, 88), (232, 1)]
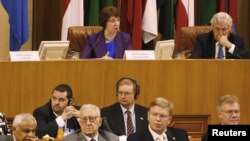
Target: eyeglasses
[(124, 93), (90, 118), (231, 112), (114, 20)]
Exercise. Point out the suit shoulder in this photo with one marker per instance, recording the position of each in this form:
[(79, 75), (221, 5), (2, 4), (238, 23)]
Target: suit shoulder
[(43, 109), (140, 107), (108, 135), (72, 135), (110, 108)]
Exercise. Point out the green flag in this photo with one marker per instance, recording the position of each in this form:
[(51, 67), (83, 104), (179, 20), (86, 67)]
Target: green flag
[(207, 10)]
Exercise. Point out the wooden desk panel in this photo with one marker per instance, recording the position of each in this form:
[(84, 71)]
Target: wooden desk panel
[(192, 85)]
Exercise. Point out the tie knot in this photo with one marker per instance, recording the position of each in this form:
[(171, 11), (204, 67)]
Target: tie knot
[(128, 112), (92, 139)]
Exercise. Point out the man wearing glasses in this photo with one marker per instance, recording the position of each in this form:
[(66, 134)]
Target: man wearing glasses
[(90, 121), (228, 111), (220, 43), (125, 117)]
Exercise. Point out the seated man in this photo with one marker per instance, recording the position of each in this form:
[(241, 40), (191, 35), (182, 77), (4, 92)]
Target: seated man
[(24, 126), (90, 121), (220, 42), (4, 128), (125, 117), (58, 112), (159, 118), (228, 111)]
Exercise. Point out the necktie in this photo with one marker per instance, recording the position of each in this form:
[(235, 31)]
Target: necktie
[(92, 139), (130, 128), (220, 54)]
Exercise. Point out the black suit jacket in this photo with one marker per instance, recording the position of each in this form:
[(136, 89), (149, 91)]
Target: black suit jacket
[(115, 120), (205, 47), (46, 123), (173, 134)]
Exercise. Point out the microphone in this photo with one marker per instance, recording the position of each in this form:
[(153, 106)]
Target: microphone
[(105, 125), (85, 53)]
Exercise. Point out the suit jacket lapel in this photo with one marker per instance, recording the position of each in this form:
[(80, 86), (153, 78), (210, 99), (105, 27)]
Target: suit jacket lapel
[(119, 119), (139, 119)]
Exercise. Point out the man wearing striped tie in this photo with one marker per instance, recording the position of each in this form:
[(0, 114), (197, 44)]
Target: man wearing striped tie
[(125, 117)]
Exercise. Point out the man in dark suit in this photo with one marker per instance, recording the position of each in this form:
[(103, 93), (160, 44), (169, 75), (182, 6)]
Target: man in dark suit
[(159, 117), (57, 113), (220, 43), (125, 112), (23, 128), (90, 120), (228, 111)]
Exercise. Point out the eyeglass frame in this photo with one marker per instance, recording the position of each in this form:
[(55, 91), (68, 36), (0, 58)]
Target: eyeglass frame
[(231, 112), (91, 119)]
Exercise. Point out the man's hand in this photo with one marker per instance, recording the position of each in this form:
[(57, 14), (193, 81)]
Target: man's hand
[(224, 41), (69, 112)]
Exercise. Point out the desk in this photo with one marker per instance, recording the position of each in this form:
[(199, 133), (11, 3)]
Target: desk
[(192, 85)]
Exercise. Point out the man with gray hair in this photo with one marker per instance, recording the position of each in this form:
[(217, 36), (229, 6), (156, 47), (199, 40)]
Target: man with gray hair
[(90, 121), (219, 43), (228, 111), (159, 118), (23, 128)]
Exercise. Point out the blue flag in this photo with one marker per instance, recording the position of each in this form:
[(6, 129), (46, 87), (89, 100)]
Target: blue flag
[(18, 19)]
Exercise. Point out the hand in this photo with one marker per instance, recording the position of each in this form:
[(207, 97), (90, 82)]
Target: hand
[(69, 112), (224, 41), (106, 57)]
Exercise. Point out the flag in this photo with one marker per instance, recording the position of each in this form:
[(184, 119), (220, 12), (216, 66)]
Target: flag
[(166, 18), (208, 9), (73, 16), (149, 21), (18, 19), (184, 17)]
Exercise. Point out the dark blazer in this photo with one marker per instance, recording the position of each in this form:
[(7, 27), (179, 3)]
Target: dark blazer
[(205, 46), (103, 136), (46, 123), (114, 117), (95, 47), (205, 137), (6, 138), (173, 134)]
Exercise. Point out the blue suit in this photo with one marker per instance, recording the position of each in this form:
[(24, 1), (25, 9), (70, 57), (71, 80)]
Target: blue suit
[(95, 47)]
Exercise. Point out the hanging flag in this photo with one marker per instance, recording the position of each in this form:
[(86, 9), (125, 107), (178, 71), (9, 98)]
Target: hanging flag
[(208, 9), (184, 17), (73, 16), (18, 19), (166, 18), (149, 21)]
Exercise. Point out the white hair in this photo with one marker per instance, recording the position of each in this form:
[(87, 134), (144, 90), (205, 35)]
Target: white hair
[(92, 107), (23, 117), (222, 17)]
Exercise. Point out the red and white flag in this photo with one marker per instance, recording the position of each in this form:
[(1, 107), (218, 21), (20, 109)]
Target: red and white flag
[(149, 21), (73, 16), (184, 17)]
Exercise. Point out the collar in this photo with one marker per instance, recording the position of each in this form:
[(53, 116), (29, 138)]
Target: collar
[(156, 135), (132, 109), (88, 138)]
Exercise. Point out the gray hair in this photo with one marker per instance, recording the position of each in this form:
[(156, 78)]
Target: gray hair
[(162, 102), (227, 99), (23, 117), (92, 107), (222, 17)]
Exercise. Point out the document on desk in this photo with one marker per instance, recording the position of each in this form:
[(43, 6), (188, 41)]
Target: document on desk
[(139, 55)]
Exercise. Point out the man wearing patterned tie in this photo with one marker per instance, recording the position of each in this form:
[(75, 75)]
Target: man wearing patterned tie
[(90, 121), (159, 117), (125, 117), (220, 43)]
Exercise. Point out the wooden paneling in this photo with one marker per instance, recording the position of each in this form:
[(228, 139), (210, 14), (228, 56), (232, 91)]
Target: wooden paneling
[(192, 85)]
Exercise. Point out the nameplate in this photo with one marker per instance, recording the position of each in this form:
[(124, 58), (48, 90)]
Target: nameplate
[(24, 56), (139, 55)]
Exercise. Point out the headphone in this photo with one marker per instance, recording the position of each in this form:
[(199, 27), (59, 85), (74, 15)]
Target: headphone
[(136, 86)]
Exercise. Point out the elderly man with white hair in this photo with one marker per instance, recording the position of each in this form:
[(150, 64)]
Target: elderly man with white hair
[(220, 43)]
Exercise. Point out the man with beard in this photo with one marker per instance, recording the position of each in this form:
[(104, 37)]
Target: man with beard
[(125, 117), (57, 113)]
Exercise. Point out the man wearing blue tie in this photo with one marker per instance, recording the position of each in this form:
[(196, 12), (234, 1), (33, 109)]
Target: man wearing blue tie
[(220, 43)]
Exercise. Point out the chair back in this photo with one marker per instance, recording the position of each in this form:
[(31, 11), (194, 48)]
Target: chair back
[(77, 35), (189, 34)]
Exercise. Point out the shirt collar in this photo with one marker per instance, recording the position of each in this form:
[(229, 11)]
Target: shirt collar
[(88, 138), (131, 109), (156, 135)]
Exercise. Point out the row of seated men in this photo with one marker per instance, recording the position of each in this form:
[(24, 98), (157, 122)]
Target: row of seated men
[(123, 120)]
